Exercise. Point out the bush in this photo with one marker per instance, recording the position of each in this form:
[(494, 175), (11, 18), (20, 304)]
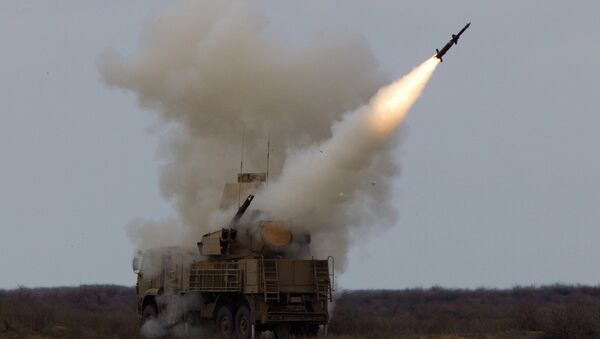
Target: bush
[(104, 311)]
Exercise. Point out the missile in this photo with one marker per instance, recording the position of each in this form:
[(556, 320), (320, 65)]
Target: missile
[(440, 52)]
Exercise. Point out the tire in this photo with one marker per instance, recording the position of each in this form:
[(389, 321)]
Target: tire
[(243, 323), (224, 322)]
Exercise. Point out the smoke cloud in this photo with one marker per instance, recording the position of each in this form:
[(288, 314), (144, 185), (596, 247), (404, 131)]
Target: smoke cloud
[(342, 184), (214, 73)]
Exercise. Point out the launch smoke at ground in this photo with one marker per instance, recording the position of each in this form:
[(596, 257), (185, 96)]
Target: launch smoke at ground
[(213, 71)]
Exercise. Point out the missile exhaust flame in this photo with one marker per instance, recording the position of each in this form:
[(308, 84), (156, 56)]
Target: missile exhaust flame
[(391, 103)]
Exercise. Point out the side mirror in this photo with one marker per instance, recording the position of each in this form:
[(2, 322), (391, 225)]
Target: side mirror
[(136, 264)]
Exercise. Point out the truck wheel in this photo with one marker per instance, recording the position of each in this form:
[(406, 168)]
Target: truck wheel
[(225, 322), (243, 323)]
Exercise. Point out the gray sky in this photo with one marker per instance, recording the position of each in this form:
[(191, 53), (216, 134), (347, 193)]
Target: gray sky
[(501, 173)]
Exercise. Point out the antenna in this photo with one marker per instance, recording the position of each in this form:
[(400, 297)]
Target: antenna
[(268, 155), (242, 153), (241, 165)]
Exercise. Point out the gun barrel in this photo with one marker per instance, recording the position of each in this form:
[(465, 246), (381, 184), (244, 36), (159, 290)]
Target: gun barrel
[(236, 218)]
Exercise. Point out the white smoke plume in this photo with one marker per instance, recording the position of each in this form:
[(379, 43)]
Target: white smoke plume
[(325, 187), (213, 71)]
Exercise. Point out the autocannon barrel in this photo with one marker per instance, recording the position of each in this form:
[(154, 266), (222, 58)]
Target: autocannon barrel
[(236, 218)]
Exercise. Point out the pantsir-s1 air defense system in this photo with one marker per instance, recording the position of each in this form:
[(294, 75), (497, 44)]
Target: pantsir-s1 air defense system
[(251, 276)]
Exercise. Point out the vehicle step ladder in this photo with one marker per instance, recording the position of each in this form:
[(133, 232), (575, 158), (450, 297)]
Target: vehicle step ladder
[(270, 279), (322, 280)]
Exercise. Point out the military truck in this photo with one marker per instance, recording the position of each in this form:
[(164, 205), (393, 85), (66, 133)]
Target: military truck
[(252, 276)]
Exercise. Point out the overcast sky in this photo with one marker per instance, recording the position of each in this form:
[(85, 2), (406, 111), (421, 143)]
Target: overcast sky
[(500, 179)]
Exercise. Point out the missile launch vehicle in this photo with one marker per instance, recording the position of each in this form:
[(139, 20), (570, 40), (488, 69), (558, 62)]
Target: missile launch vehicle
[(251, 276)]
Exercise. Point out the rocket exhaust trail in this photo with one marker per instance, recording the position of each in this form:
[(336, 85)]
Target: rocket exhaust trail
[(315, 182), (389, 106)]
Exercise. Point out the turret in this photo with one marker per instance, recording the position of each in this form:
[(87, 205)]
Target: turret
[(251, 237)]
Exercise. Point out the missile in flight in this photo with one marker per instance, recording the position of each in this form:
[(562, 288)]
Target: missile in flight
[(440, 52)]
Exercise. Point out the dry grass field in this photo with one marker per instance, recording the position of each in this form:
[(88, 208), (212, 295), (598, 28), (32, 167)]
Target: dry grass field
[(104, 311)]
